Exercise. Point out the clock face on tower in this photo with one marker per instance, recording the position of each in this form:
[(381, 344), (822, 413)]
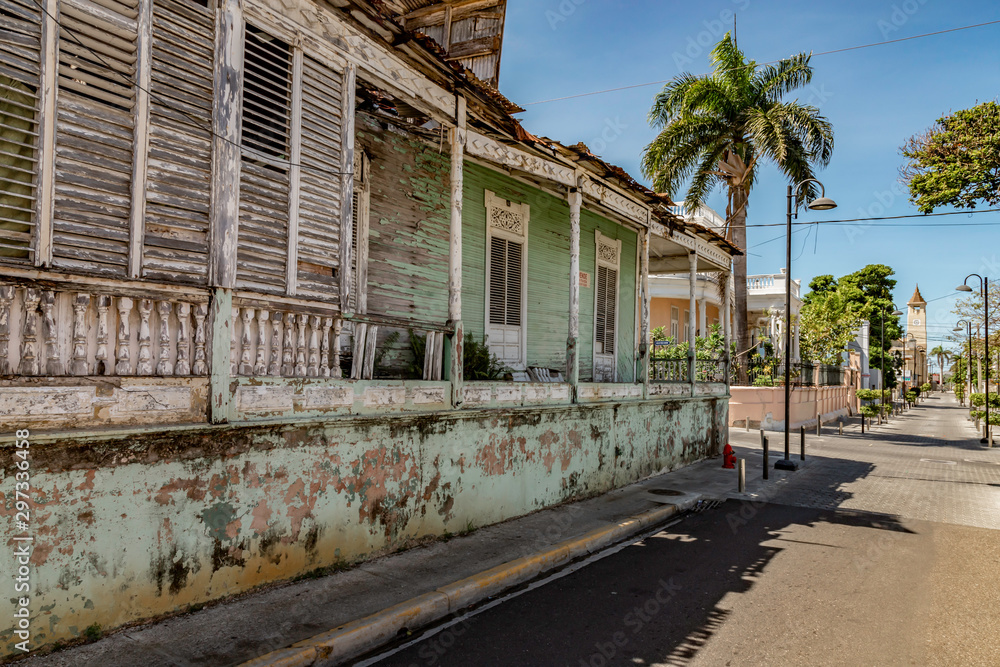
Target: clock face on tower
[(916, 322)]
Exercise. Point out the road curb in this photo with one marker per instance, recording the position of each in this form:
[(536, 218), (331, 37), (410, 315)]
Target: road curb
[(358, 637)]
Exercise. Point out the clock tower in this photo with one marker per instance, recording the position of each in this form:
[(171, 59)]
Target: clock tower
[(916, 324)]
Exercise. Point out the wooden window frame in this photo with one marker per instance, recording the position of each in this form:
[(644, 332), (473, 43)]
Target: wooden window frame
[(675, 323), (599, 241), (492, 202)]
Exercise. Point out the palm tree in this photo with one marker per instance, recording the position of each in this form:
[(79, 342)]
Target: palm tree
[(716, 129), (942, 355)]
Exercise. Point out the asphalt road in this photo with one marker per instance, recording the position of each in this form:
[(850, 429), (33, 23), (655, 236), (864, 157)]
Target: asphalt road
[(884, 551)]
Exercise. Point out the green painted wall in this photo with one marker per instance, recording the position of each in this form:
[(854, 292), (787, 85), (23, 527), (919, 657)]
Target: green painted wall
[(548, 272)]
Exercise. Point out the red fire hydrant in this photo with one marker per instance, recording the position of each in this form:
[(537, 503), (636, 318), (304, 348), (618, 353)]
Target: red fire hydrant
[(728, 457)]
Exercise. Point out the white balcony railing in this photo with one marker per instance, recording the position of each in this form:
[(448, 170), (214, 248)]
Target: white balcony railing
[(770, 284)]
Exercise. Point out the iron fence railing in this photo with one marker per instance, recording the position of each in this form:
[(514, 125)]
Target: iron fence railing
[(668, 370), (710, 370), (770, 372)]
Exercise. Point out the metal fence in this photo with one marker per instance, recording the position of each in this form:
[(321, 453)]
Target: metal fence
[(770, 372), (666, 366)]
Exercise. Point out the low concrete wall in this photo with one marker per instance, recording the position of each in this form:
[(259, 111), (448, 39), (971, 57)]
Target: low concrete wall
[(765, 406), (129, 526)]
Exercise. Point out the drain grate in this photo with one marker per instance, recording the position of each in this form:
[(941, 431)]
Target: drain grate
[(704, 505), (665, 492)]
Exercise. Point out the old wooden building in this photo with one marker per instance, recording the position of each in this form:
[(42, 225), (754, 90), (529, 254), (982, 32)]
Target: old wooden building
[(242, 245)]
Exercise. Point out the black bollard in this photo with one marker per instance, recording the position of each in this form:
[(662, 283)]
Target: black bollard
[(766, 444)]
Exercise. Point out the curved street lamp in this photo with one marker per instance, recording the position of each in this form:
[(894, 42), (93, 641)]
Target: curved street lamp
[(984, 287), (968, 338), (821, 203)]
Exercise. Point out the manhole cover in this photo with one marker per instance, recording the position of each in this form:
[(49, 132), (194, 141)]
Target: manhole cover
[(949, 463), (666, 492)]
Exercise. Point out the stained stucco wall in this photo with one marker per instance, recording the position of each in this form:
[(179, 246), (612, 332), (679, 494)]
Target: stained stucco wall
[(133, 527)]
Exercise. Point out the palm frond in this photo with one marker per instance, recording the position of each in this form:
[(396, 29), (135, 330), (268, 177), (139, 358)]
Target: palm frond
[(774, 81)]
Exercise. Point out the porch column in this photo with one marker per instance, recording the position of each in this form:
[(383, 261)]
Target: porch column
[(727, 335), (456, 141), (644, 313), (573, 340), (692, 314), (225, 201), (703, 315)]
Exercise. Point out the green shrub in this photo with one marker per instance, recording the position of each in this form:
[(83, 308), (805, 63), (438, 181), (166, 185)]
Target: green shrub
[(869, 394), (925, 387), (478, 362)]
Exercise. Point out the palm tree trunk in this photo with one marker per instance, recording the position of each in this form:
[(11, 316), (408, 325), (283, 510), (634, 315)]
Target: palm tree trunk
[(738, 229)]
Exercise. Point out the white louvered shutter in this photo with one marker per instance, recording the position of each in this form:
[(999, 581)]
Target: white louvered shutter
[(262, 248), (20, 44), (319, 177), (179, 176), (94, 133), (606, 308)]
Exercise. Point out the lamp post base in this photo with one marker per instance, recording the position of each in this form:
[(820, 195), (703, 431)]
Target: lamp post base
[(786, 464)]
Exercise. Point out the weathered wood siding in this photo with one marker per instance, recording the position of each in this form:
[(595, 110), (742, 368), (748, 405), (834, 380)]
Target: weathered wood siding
[(95, 125), (408, 224), (175, 245), (548, 273)]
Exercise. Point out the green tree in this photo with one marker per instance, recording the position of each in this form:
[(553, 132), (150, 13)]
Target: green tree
[(957, 161), (826, 325), (717, 129), (866, 295)]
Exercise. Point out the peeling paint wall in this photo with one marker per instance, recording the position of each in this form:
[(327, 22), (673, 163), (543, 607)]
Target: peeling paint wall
[(133, 528)]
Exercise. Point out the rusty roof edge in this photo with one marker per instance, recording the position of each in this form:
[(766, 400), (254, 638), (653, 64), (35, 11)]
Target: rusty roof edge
[(463, 78)]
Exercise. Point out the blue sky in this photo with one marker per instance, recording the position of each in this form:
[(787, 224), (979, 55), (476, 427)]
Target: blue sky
[(875, 98)]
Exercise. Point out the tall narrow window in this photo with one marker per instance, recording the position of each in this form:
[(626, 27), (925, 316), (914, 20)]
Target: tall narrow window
[(606, 308), (262, 250), (507, 233), (675, 316), (20, 44)]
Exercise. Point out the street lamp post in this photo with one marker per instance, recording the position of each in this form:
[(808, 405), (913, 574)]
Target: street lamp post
[(968, 339), (984, 288), (881, 379), (819, 204), (907, 337)]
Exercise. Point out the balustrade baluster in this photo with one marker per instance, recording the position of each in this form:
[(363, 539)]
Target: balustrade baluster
[(182, 366), (275, 367), (123, 354), (200, 340), (81, 303), (338, 325), (313, 368), (104, 365), (300, 347), (260, 365), (288, 353), (29, 333), (6, 299), (163, 310), (50, 334), (246, 343), (144, 363)]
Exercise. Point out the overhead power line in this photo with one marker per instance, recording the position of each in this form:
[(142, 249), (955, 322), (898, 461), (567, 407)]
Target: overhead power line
[(769, 62)]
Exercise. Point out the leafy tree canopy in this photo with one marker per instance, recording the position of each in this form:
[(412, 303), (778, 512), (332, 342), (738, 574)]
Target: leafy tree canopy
[(957, 161)]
